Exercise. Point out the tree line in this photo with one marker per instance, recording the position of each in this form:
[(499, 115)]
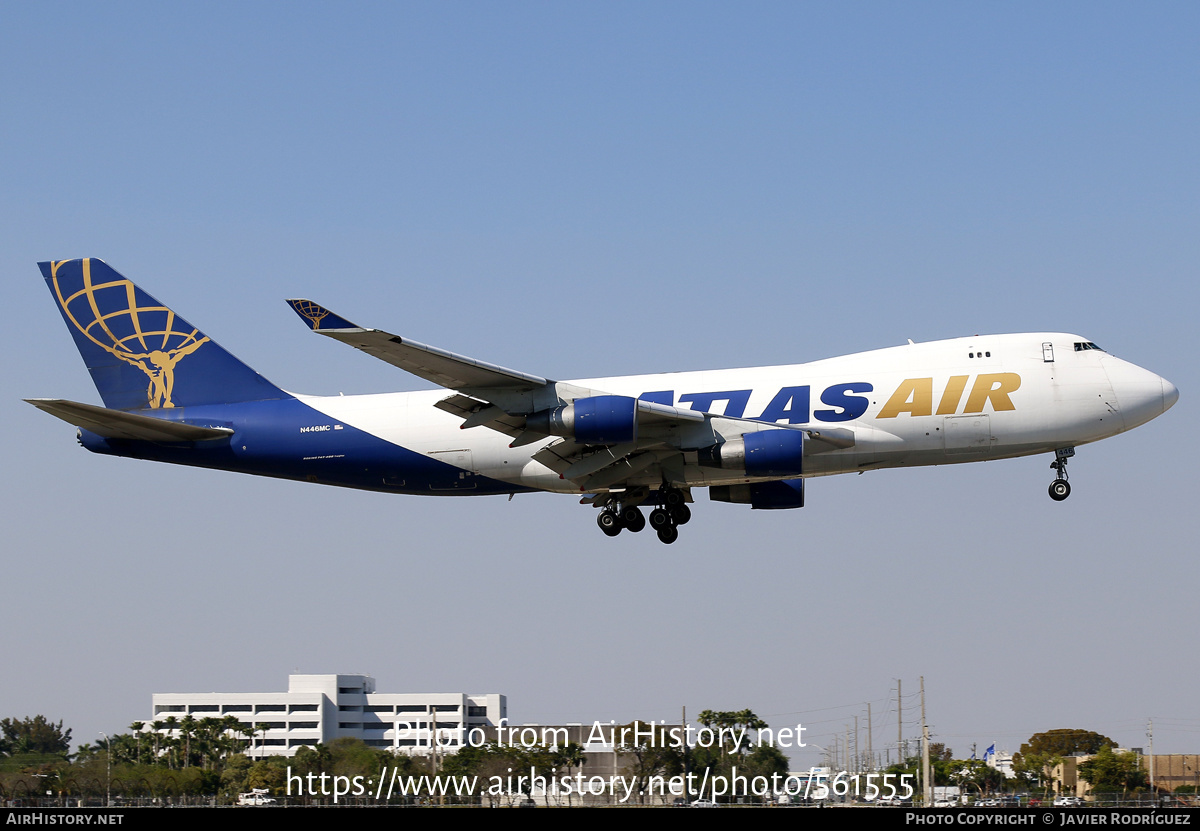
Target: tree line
[(215, 759), (1106, 771)]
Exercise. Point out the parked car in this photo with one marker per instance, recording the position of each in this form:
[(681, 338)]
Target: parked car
[(257, 798)]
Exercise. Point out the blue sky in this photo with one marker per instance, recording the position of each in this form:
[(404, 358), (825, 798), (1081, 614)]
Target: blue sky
[(580, 190)]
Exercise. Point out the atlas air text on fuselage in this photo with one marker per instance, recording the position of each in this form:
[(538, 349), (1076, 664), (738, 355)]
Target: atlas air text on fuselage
[(848, 401)]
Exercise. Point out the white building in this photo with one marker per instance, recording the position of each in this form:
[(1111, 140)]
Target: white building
[(321, 708), (1002, 762)]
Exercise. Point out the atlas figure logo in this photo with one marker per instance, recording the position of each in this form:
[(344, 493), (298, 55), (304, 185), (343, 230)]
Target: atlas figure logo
[(110, 315), (173, 395)]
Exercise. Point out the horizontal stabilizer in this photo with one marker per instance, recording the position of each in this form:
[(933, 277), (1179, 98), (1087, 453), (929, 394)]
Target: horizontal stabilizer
[(114, 424)]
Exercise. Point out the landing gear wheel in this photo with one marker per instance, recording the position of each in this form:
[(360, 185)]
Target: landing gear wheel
[(681, 513), (668, 534), (659, 519), (609, 522), (1060, 489), (673, 498), (633, 519)]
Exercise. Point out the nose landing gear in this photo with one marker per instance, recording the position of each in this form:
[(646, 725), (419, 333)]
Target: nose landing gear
[(1060, 488)]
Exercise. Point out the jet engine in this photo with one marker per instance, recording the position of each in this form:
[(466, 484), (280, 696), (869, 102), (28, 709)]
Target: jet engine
[(786, 493), (601, 419), (762, 453)]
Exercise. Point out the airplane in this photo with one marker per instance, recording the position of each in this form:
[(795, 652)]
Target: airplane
[(751, 436)]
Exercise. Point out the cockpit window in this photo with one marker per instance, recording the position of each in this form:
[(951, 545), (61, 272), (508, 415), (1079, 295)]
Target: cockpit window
[(1083, 347)]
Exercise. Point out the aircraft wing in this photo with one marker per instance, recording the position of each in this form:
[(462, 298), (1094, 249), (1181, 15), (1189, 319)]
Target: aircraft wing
[(508, 391), (506, 400), (446, 369)]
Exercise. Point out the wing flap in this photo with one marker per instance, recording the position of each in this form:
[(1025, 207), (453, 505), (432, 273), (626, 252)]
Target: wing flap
[(476, 413), (618, 472)]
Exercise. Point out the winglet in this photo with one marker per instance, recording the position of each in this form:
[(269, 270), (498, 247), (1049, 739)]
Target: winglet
[(318, 317)]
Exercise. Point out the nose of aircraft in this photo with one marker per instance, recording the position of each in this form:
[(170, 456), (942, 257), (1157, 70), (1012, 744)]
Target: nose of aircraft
[(1141, 395), (1170, 394)]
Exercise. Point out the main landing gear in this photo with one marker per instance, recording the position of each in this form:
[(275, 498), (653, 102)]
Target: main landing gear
[(665, 519), (1060, 488), (613, 518)]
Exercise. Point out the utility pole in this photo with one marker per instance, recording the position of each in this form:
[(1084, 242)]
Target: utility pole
[(687, 757), (870, 746), (1150, 736), (108, 770), (925, 769), (857, 750), (433, 739)]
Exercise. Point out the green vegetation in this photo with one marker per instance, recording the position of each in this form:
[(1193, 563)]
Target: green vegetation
[(1035, 762), (33, 735), (1112, 773), (503, 763), (1066, 742), (1109, 773), (32, 742), (170, 761), (736, 748)]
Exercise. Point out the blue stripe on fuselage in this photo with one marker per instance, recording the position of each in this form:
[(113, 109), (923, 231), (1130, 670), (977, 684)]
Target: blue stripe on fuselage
[(290, 440)]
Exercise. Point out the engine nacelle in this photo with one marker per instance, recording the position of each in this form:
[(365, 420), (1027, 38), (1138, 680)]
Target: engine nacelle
[(786, 493), (601, 419), (763, 453)]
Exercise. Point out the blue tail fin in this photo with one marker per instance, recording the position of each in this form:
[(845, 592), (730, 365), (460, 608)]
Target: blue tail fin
[(140, 353)]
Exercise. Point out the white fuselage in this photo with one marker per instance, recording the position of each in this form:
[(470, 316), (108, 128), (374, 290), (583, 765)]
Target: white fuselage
[(944, 402)]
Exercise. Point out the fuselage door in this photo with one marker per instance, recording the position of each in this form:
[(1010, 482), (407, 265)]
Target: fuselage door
[(1048, 352), (969, 436), (461, 475)]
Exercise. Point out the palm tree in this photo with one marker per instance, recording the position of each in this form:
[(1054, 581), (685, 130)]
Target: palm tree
[(262, 727), (187, 728), (136, 727), (573, 757), (208, 737), (157, 727), (231, 737), (171, 723)]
